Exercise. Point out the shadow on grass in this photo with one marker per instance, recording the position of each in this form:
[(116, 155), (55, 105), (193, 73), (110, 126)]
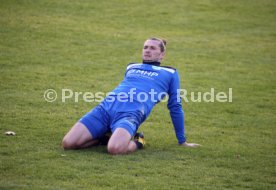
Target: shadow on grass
[(96, 149)]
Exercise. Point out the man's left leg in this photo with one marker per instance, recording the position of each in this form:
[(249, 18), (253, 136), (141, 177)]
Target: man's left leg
[(120, 142)]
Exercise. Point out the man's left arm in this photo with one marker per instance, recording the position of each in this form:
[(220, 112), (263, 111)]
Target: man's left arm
[(177, 113)]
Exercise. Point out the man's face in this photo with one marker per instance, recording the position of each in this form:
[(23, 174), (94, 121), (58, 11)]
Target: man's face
[(152, 51)]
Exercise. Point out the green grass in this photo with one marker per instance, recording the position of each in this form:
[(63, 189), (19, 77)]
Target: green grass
[(86, 45)]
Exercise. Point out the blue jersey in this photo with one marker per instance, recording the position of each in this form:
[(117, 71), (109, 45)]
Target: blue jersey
[(148, 84)]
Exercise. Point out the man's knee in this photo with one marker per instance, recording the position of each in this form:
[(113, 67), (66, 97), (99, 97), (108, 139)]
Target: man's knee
[(76, 137), (119, 141), (116, 149), (68, 144)]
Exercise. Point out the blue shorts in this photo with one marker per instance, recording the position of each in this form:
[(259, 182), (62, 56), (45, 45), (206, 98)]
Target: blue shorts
[(108, 116)]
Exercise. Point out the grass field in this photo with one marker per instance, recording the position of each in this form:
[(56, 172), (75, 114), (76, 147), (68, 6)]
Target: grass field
[(85, 46)]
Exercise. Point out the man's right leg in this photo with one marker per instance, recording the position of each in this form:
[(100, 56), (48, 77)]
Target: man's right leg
[(78, 137), (86, 132)]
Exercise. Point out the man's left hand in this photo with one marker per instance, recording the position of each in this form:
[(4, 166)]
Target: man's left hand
[(191, 145)]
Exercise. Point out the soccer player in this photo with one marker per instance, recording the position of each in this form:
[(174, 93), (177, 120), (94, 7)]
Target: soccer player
[(130, 103)]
